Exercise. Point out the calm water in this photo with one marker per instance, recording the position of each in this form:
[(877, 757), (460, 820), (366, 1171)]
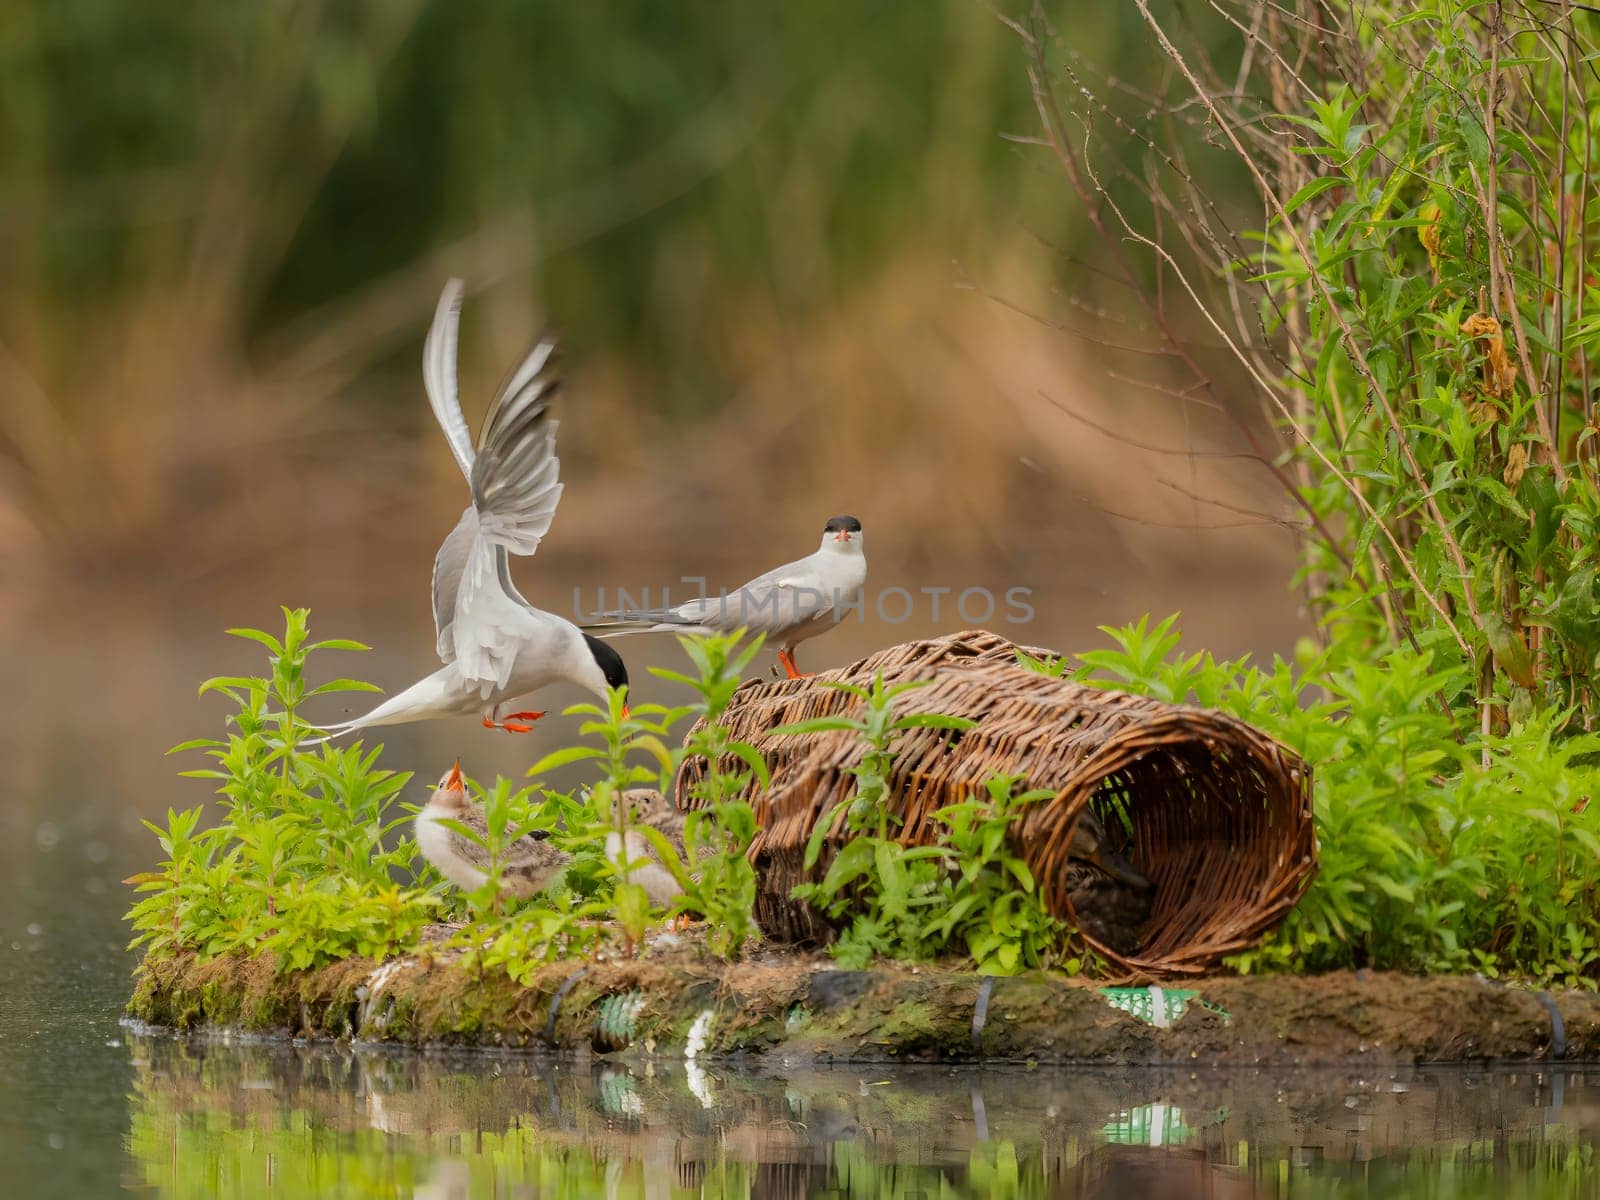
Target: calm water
[(284, 1121), (92, 1108)]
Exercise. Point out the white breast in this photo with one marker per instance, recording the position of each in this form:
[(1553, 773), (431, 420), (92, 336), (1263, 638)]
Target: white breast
[(438, 846), (845, 574), (656, 880), (551, 651)]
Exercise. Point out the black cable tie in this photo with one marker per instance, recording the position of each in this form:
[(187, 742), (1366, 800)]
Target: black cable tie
[(1558, 1027), (980, 1008), (555, 1002)]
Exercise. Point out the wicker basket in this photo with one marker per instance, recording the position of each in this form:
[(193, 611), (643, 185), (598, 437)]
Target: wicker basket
[(1218, 815)]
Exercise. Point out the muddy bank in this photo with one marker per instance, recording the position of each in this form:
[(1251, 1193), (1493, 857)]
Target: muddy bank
[(801, 1009)]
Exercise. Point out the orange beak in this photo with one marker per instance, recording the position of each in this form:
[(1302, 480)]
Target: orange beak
[(842, 536), (455, 783)]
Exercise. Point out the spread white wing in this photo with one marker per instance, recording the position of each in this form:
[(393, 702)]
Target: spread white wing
[(515, 479), (516, 487), (439, 375)]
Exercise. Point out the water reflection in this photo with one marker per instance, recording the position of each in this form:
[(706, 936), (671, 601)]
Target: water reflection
[(276, 1120)]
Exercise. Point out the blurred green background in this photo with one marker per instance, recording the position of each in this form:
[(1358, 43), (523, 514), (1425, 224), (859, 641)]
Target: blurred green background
[(767, 234)]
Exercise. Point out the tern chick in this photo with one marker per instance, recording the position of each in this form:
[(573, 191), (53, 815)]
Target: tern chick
[(646, 806), (531, 863)]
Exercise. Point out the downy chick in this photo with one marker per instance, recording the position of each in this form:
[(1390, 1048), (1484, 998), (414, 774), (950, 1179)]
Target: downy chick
[(530, 862), (648, 807)]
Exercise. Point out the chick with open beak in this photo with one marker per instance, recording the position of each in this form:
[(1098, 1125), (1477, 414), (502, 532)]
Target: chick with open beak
[(528, 866), (530, 863)]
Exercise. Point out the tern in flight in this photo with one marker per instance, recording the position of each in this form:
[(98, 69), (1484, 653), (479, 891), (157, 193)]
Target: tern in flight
[(497, 649)]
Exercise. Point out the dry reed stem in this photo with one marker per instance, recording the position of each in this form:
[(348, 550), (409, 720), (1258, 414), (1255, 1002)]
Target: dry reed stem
[(1352, 347)]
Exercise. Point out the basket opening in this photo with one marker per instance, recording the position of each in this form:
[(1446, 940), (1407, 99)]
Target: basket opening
[(1197, 822)]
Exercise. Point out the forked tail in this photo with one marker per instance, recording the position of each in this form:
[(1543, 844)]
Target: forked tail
[(621, 621)]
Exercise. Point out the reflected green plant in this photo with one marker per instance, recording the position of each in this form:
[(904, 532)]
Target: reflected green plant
[(368, 1123)]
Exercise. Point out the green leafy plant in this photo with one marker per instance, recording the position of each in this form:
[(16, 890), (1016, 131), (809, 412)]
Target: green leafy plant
[(301, 865), (877, 727), (570, 918), (602, 814), (718, 879), (1441, 850), (991, 906), (1417, 314), (560, 923), (305, 861), (163, 920), (971, 891)]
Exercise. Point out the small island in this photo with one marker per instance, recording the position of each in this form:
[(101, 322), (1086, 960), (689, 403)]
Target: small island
[(859, 882)]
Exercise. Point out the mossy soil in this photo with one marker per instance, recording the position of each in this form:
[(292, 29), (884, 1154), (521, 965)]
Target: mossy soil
[(676, 1000)]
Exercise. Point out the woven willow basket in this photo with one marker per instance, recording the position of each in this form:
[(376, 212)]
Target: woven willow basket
[(1220, 814)]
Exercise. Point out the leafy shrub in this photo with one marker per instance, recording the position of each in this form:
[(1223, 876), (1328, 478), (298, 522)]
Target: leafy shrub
[(1416, 315), (991, 907), (969, 893), (307, 860), (718, 879), (1442, 848), (1438, 853), (301, 864), (1416, 312)]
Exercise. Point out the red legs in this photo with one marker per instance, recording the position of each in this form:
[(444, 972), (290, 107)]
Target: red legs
[(786, 657), (509, 726), (514, 722)]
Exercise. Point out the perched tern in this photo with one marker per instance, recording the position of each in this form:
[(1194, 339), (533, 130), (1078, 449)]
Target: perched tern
[(789, 604), (530, 863), (496, 648)]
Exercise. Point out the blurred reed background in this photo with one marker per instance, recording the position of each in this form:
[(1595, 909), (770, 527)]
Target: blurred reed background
[(797, 265)]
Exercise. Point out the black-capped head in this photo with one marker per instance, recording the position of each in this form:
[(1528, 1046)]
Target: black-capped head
[(845, 530), (609, 662)]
